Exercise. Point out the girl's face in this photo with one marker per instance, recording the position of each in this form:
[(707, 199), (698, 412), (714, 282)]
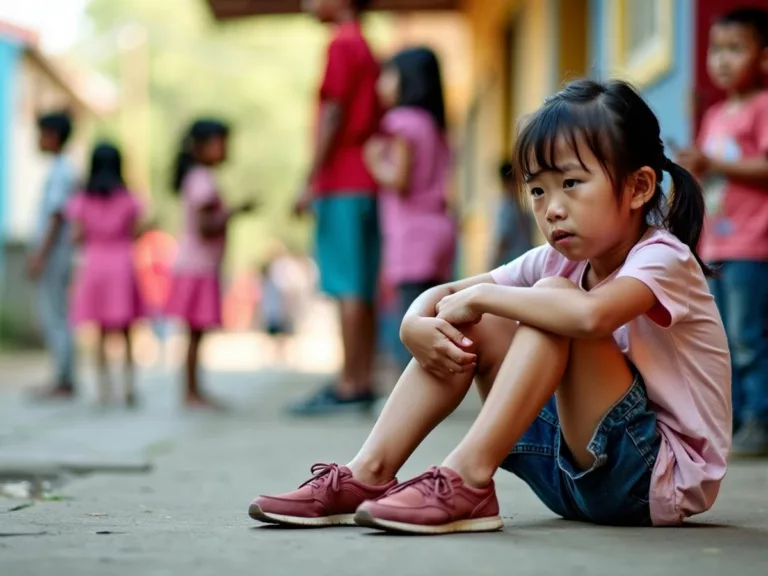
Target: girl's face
[(213, 151), (577, 209), (388, 87)]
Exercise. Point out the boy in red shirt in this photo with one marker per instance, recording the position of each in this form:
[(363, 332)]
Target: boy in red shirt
[(342, 194), (731, 159)]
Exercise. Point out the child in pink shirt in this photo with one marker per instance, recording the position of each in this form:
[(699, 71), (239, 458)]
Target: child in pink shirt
[(600, 356), (195, 295), (105, 219), (732, 163), (411, 162)]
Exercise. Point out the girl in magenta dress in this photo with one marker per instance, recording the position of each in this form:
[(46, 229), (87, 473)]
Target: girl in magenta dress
[(105, 220), (411, 162), (195, 296)]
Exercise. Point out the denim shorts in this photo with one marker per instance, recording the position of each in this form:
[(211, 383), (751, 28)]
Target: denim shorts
[(614, 490)]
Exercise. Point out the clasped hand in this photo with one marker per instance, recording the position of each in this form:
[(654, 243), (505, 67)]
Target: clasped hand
[(437, 343)]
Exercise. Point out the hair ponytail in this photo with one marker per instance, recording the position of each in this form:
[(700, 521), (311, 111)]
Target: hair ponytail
[(199, 132), (185, 161), (685, 210)]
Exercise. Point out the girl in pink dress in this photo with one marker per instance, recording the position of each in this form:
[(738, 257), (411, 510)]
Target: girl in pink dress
[(411, 161), (195, 295), (105, 220)]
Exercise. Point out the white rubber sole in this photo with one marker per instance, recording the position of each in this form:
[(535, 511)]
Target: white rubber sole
[(255, 512), (491, 524)]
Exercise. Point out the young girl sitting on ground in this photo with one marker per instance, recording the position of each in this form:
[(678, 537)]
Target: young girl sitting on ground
[(601, 356)]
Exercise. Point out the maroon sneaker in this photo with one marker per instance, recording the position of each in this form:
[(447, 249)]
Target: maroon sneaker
[(437, 502), (329, 498)]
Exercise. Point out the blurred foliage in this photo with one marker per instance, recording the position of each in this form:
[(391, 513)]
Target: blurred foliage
[(260, 74)]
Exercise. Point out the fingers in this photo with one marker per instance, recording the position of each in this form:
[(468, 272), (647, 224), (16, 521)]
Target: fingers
[(454, 335), (451, 352)]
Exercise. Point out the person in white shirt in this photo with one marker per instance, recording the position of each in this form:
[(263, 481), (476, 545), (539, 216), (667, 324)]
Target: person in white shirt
[(49, 263)]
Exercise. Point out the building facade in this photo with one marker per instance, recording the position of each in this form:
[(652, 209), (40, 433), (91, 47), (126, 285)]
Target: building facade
[(516, 52)]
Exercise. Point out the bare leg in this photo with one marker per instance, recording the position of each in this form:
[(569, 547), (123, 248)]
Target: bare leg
[(420, 401), (592, 374), (588, 376), (192, 388), (130, 395), (358, 338), (103, 367), (368, 355)]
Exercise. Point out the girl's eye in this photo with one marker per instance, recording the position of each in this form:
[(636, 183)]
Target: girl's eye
[(570, 183), (536, 192)]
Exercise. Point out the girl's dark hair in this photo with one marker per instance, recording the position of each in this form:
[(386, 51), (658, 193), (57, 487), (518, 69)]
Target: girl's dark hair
[(199, 132), (421, 83), (614, 122), (106, 175)]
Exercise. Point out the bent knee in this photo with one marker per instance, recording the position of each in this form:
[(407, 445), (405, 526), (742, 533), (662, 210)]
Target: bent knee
[(555, 282)]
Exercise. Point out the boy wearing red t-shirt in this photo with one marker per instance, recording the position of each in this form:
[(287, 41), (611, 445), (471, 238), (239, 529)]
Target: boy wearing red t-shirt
[(732, 161), (342, 194)]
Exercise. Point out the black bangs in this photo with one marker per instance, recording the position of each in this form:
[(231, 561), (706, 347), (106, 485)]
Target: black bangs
[(559, 121)]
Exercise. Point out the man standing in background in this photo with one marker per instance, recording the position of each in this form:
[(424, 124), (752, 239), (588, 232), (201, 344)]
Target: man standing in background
[(342, 193)]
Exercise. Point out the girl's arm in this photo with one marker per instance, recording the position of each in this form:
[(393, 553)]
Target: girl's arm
[(212, 223), (390, 161), (78, 233), (750, 171), (572, 313), (424, 305)]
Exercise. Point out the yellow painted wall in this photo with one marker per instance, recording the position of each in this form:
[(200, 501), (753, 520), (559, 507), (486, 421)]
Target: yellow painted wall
[(506, 86)]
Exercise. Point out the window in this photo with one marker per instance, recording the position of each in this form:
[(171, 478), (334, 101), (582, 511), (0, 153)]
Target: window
[(642, 39)]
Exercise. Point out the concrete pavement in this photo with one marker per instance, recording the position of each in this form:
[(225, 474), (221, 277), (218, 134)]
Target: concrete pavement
[(188, 514)]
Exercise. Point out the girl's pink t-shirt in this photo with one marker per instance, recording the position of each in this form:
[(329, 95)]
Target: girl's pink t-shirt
[(198, 255), (418, 231), (681, 351)]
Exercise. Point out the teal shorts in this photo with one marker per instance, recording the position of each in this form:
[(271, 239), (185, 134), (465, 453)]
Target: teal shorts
[(347, 245)]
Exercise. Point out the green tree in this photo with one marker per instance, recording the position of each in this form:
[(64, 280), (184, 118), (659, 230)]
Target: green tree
[(258, 73)]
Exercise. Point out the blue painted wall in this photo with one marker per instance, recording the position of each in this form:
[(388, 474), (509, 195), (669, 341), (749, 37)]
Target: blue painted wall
[(670, 95), (10, 52)]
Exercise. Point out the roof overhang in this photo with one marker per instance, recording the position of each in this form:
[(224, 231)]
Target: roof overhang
[(229, 9)]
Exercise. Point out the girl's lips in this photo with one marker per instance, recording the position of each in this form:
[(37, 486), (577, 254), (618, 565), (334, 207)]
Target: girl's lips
[(561, 236)]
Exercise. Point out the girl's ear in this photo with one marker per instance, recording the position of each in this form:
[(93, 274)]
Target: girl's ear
[(641, 187)]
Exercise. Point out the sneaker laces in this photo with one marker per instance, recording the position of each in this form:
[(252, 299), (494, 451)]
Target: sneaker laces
[(322, 473), (433, 482)]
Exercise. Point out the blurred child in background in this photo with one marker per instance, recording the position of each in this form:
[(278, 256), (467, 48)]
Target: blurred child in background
[(513, 224), (50, 262), (411, 162), (731, 160), (275, 305), (195, 295), (105, 218)]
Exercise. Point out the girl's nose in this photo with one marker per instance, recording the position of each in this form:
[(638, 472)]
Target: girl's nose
[(555, 212)]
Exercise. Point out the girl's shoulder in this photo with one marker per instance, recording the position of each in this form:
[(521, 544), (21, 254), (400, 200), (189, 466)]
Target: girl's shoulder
[(198, 177), (405, 117), (661, 240), (662, 254)]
